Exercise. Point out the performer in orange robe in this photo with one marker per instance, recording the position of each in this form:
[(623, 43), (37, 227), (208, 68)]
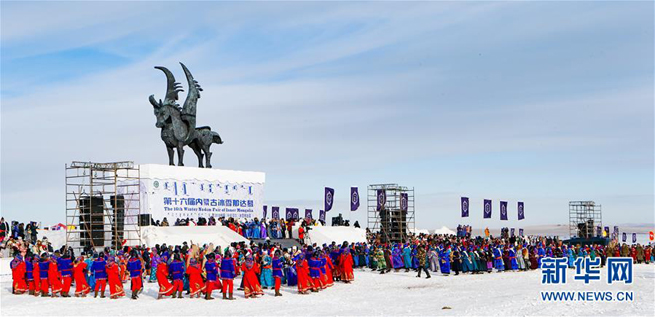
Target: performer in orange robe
[(251, 286), (122, 268), (196, 285), (18, 269), (114, 279), (165, 286), (81, 286), (53, 277), (346, 261)]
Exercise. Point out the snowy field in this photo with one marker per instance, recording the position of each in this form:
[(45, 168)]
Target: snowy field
[(371, 294)]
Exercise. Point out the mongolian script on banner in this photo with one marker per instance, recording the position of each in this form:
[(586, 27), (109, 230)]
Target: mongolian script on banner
[(181, 199)]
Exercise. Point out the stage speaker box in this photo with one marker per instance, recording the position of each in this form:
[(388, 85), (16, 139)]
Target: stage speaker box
[(92, 221), (144, 220), (118, 223)]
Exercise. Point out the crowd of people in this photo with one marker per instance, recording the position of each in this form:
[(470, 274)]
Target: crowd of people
[(196, 270), (20, 236), (463, 254), (201, 270)]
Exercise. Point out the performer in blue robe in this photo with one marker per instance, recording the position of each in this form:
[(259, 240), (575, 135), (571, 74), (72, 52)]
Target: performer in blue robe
[(498, 260), (277, 271), (474, 260), (266, 276), (512, 259), (256, 229), (290, 272), (541, 253), (466, 262), (444, 261), (407, 257), (415, 260), (91, 277), (396, 258), (570, 256)]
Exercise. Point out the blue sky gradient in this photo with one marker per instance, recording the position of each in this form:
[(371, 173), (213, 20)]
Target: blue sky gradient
[(543, 102)]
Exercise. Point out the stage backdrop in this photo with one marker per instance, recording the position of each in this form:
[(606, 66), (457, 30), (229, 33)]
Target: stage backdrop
[(179, 192)]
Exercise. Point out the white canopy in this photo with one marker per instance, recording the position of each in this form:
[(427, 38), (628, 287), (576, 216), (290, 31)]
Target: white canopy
[(444, 230), (419, 231)]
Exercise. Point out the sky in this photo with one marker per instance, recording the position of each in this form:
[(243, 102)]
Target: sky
[(540, 102)]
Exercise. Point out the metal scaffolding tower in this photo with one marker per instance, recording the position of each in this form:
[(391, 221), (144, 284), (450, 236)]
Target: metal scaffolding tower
[(102, 204), (392, 222), (585, 217)]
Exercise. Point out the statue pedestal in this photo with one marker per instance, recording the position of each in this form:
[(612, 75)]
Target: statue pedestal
[(180, 192)]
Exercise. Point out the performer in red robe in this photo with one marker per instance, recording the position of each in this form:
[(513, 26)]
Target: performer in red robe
[(302, 269), (211, 273), (114, 279), (79, 275), (251, 286), (35, 274), (346, 261), (53, 277), (196, 285), (328, 268), (18, 269), (44, 268), (165, 286)]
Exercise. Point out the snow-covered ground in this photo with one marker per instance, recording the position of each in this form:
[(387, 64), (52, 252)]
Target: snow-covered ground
[(370, 294)]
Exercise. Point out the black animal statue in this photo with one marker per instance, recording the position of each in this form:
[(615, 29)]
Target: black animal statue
[(178, 124)]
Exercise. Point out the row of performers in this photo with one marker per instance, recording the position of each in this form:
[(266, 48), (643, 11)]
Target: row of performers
[(310, 269)]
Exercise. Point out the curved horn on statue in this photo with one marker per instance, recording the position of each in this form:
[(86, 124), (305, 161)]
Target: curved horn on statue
[(172, 88), (189, 106), (154, 102)]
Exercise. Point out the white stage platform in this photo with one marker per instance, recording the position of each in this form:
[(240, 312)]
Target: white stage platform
[(325, 235), (218, 235)]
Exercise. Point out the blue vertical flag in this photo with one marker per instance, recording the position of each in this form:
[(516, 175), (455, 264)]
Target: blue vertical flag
[(275, 212), (291, 213), (520, 232), (308, 214), (265, 210), (381, 198), (404, 202), (321, 215), (329, 198), (465, 207), (511, 232), (634, 237), (503, 210), (295, 213), (487, 208), (287, 214), (521, 209), (599, 231), (625, 237), (354, 199)]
